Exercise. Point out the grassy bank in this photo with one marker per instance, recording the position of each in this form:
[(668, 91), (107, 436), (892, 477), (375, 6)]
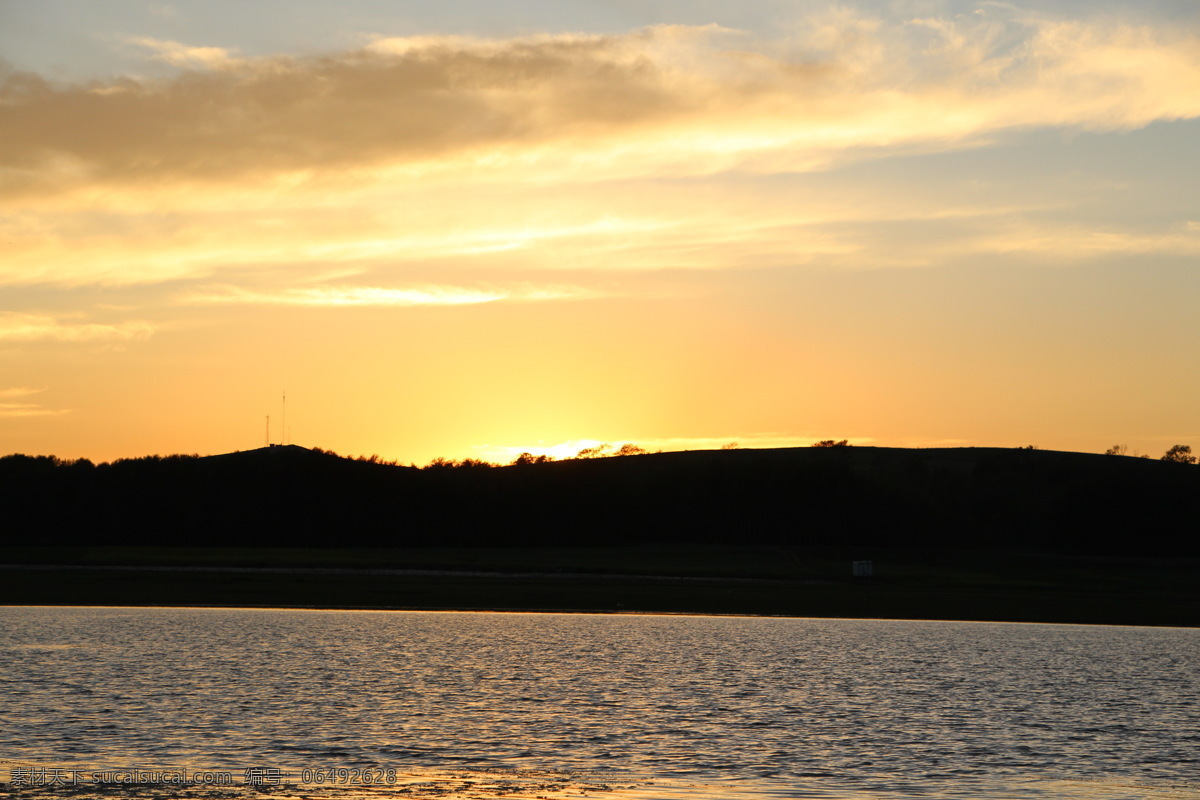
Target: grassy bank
[(680, 579)]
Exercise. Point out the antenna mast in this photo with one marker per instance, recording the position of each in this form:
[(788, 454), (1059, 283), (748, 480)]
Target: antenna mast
[(283, 424), (267, 440)]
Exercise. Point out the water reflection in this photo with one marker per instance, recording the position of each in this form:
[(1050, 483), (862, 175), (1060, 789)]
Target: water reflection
[(672, 706)]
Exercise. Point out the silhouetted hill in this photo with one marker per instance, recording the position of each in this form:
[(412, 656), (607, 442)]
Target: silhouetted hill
[(841, 496)]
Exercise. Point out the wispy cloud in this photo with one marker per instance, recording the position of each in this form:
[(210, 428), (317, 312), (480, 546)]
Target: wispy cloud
[(341, 296), (16, 409), (28, 410), (19, 391), (20, 327)]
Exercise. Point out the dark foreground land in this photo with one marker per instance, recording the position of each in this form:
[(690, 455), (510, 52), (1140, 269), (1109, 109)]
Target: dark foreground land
[(701, 579), (981, 534)]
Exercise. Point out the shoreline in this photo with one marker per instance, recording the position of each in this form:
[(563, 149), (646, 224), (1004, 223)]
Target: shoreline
[(575, 612), (951, 586)]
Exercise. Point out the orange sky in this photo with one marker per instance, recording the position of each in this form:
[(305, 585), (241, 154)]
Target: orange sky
[(911, 224)]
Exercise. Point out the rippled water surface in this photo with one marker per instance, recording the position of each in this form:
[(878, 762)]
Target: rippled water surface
[(399, 704)]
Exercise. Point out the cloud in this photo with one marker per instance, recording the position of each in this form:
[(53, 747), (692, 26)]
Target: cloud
[(662, 100), (422, 154), (20, 327), (343, 296), (184, 56)]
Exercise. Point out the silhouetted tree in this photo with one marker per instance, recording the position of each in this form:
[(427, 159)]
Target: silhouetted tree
[(1180, 453), (529, 458), (475, 463), (1116, 450), (606, 450), (466, 463), (832, 443)]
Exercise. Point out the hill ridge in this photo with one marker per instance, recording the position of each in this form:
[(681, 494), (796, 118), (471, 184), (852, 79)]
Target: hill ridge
[(1058, 501)]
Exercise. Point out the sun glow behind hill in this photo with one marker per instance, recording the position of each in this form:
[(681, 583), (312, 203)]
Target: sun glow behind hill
[(972, 224)]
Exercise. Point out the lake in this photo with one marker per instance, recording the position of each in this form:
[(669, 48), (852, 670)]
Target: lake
[(234, 703)]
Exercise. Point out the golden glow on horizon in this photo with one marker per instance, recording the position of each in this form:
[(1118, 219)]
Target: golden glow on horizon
[(505, 454), (854, 226)]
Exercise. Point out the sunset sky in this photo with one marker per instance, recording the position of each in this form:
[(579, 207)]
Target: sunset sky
[(468, 229)]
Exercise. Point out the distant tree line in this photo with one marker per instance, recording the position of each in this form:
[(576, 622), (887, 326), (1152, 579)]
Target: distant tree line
[(1179, 454)]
